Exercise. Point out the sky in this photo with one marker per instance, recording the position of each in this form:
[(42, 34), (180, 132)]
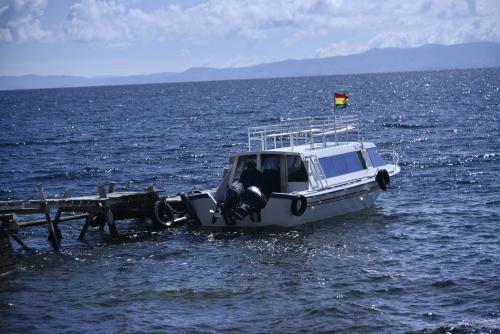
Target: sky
[(125, 37)]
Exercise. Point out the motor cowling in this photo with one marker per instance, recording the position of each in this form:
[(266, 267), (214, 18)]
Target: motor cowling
[(251, 200)]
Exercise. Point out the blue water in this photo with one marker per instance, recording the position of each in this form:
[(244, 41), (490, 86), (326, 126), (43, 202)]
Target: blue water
[(424, 259)]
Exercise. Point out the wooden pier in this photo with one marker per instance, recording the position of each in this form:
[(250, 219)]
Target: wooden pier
[(100, 210)]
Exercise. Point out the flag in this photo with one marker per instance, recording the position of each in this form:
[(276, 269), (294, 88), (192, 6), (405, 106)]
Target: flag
[(341, 100)]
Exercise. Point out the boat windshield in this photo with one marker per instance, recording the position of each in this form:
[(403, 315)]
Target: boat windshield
[(375, 157), (296, 170), (240, 167)]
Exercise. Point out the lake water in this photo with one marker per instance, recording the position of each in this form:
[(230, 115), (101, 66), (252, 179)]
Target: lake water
[(424, 259)]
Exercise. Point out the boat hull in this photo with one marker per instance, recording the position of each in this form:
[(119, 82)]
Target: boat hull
[(320, 206)]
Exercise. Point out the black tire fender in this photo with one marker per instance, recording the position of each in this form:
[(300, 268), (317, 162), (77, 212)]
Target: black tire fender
[(163, 215), (383, 179), (298, 210)]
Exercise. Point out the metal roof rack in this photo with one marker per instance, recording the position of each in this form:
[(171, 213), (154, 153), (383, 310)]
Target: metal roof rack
[(315, 131)]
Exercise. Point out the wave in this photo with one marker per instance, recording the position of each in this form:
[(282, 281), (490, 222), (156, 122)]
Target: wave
[(47, 142), (407, 126), (452, 161), (73, 175)]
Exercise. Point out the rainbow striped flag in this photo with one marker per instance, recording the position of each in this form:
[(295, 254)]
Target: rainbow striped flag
[(341, 100)]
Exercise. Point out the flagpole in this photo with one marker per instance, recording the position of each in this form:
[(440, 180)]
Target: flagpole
[(335, 118)]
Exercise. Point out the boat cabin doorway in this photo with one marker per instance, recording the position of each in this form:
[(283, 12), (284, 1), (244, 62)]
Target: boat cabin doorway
[(281, 172)]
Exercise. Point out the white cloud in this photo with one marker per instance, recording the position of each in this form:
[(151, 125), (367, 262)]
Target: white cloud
[(92, 20), (372, 23), (19, 20), (113, 22), (444, 23), (5, 35), (412, 24)]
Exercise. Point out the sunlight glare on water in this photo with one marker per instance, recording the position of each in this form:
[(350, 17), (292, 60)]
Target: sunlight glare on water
[(424, 259)]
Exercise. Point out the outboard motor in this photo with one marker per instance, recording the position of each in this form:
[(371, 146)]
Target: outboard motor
[(233, 195), (241, 202), (231, 201), (252, 200)]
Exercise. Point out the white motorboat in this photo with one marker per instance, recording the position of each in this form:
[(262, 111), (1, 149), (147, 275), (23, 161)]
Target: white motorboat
[(310, 169)]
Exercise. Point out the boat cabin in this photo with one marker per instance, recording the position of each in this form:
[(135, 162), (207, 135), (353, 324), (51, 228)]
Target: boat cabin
[(285, 171), (282, 172), (306, 154)]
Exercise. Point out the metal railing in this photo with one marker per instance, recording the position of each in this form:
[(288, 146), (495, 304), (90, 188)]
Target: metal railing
[(317, 178), (315, 131), (392, 155)]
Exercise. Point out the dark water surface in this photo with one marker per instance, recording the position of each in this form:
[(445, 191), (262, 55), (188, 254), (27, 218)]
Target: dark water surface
[(424, 259)]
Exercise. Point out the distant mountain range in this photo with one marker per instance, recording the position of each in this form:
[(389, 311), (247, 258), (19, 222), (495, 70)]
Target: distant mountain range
[(427, 57)]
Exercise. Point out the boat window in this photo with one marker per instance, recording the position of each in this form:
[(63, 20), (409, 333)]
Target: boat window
[(361, 159), (242, 162), (270, 162), (375, 157), (342, 164), (296, 170)]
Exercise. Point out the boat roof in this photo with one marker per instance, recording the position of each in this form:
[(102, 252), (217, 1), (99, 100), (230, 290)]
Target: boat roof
[(317, 132), (331, 148)]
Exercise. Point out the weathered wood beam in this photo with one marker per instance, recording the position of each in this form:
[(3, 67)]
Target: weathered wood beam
[(85, 226), (111, 223), (43, 222), (20, 242), (101, 192), (56, 221), (50, 226)]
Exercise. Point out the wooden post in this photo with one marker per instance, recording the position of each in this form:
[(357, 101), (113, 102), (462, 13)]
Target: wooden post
[(50, 226), (153, 198), (7, 258), (102, 224), (85, 226), (57, 219), (20, 242), (112, 186), (111, 223), (108, 214), (8, 226), (102, 194), (101, 191)]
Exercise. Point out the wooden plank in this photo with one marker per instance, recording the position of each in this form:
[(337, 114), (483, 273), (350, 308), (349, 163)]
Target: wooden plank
[(21, 211), (43, 222), (80, 201), (12, 206)]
